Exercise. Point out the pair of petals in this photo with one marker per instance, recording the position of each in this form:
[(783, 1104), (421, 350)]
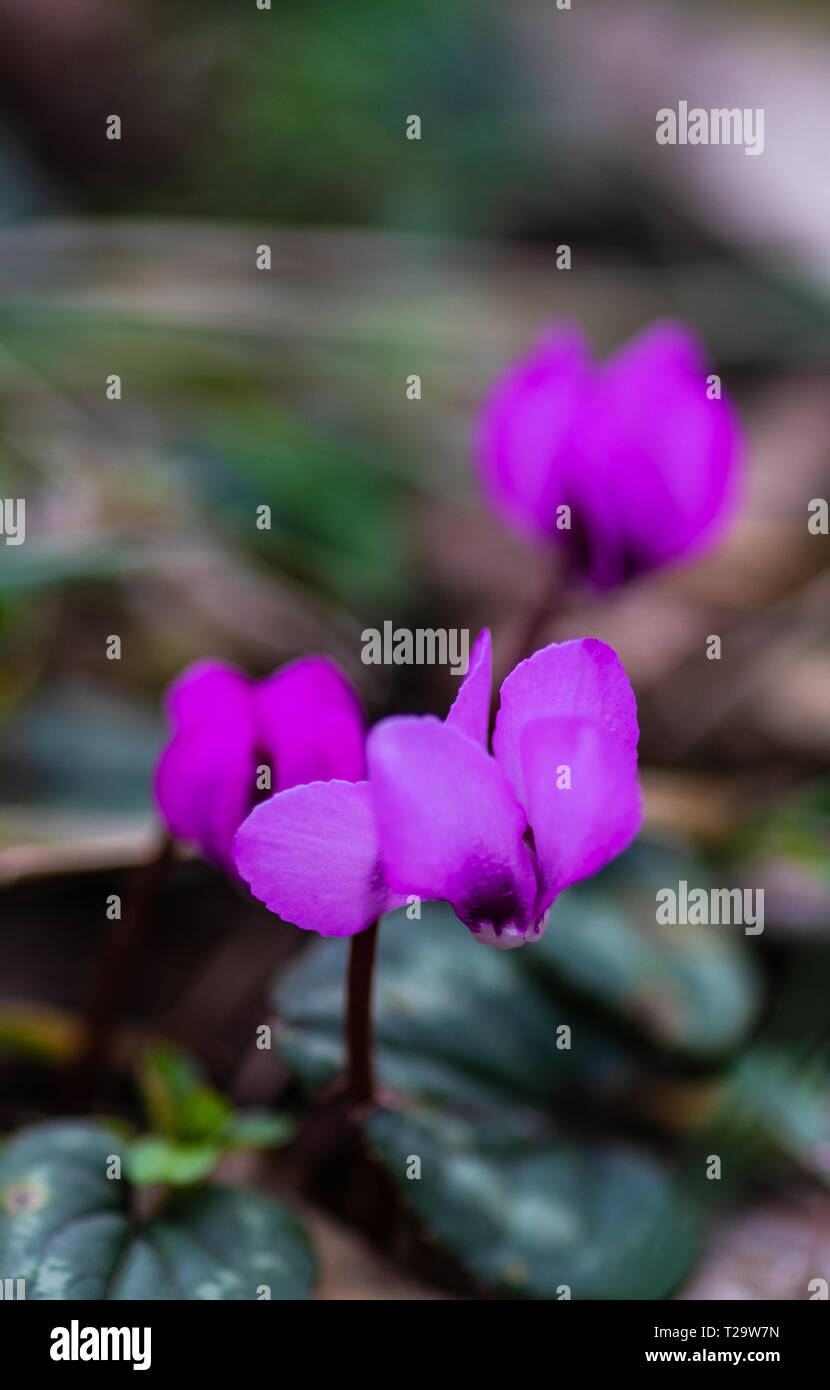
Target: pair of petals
[(498, 837), (644, 459), (304, 722)]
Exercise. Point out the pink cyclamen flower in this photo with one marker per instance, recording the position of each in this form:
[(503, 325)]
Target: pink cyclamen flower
[(305, 723), (641, 449), (496, 835)]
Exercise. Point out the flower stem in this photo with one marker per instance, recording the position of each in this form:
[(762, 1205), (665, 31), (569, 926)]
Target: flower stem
[(548, 606), (551, 603), (359, 1014), (113, 971)]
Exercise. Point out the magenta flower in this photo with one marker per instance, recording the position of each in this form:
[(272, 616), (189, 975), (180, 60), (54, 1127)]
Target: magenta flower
[(305, 723), (635, 448), (497, 836)]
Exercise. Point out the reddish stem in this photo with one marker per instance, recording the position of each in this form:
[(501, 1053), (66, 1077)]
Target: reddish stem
[(359, 1014), (551, 602), (113, 971)]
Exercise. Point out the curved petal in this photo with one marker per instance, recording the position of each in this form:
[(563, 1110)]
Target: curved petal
[(583, 679), (450, 826), (310, 721), (205, 778), (208, 690), (311, 855), (527, 439), (668, 453), (470, 710), (583, 799), (646, 462)]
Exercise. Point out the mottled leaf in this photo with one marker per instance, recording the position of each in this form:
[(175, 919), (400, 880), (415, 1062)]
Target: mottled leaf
[(548, 1220), (453, 1019), (68, 1230), (694, 989)]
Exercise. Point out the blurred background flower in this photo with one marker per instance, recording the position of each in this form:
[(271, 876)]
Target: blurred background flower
[(305, 721), (627, 467)]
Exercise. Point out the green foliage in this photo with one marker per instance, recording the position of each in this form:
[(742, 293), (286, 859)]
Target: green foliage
[(340, 82), (478, 1084), (470, 1046), (257, 1129), (153, 1159), (193, 1125), (335, 517), (798, 829), (685, 988), (605, 1222), (67, 751), (177, 1101), (779, 1103), (69, 1231), (453, 1021), (786, 850)]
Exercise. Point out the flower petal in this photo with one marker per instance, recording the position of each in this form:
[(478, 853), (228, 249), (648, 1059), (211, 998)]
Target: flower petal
[(583, 799), (470, 710), (310, 721), (581, 680), (205, 778), (450, 826), (529, 427), (644, 459), (669, 454), (311, 855), (207, 690)]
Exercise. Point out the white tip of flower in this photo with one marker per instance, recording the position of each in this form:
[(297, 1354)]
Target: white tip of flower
[(505, 939), (511, 935)]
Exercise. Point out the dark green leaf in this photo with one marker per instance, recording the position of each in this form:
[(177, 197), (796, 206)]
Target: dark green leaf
[(469, 1030), (77, 748), (453, 1019), (66, 1228), (603, 1223), (779, 1103), (690, 988)]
